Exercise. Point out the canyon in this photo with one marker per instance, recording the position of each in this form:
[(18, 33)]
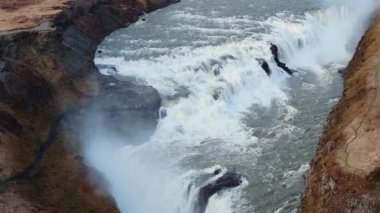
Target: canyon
[(48, 83)]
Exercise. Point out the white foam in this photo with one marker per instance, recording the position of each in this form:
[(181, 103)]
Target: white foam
[(321, 37), (223, 21), (151, 177), (241, 83)]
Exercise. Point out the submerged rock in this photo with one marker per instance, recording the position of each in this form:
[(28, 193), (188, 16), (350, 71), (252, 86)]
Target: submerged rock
[(228, 57), (180, 92)]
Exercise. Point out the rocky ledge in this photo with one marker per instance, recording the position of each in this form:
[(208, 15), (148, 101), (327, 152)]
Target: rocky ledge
[(47, 74), (345, 173)]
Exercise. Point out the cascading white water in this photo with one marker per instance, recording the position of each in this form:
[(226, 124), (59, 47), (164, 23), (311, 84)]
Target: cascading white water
[(322, 37), (207, 90)]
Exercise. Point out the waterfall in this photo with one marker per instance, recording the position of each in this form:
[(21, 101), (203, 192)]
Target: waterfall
[(208, 86)]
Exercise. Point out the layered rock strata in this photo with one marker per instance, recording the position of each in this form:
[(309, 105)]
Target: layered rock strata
[(47, 74), (345, 173)]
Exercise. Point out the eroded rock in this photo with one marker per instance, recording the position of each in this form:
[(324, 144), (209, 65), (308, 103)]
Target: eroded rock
[(226, 181), (47, 71)]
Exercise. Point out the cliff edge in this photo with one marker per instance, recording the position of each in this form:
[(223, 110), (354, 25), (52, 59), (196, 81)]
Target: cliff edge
[(345, 173), (47, 79)]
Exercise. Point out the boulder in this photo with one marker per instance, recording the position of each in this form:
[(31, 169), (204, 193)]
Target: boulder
[(226, 181)]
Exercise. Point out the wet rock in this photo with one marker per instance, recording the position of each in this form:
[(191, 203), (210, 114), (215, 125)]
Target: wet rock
[(181, 92), (212, 66), (228, 57), (274, 50), (213, 62), (216, 95), (128, 95), (217, 71), (228, 180), (264, 65), (217, 171), (130, 110), (163, 113), (300, 43), (111, 70)]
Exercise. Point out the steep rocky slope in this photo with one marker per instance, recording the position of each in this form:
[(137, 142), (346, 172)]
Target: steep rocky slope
[(345, 174), (47, 78)]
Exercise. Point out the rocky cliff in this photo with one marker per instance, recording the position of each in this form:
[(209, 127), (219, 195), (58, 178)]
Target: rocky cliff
[(345, 173), (47, 75)]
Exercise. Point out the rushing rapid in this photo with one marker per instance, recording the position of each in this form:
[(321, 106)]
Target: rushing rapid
[(221, 111)]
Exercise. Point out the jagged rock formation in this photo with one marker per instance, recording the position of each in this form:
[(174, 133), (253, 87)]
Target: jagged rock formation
[(345, 174), (226, 181), (46, 74)]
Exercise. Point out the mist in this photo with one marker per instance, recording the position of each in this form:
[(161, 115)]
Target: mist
[(323, 37), (146, 174)]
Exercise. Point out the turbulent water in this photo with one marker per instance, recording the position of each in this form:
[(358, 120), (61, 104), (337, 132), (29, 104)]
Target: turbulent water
[(222, 110)]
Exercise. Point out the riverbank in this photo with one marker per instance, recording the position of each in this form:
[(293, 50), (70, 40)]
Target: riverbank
[(345, 173), (47, 78)]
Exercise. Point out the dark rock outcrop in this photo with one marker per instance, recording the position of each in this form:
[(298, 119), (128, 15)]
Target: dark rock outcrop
[(274, 51), (264, 65), (123, 103), (226, 181)]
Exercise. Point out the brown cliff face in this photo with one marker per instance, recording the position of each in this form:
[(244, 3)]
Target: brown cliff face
[(345, 174), (47, 74)]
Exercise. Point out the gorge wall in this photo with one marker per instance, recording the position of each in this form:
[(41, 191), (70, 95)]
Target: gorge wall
[(345, 173), (47, 75)]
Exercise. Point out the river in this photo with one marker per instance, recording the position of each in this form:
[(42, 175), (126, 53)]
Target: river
[(219, 108)]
